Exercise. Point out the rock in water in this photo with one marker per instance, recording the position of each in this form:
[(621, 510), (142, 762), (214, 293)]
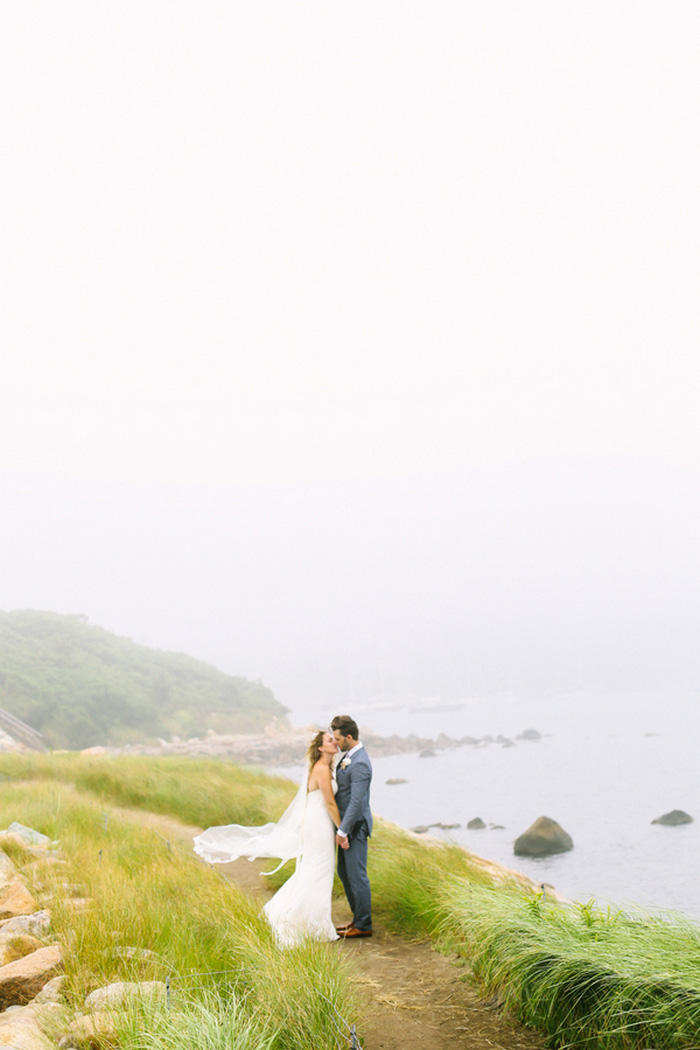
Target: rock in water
[(674, 818), (476, 823), (542, 839), (396, 780)]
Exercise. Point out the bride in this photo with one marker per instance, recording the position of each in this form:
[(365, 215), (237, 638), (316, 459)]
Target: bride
[(302, 906)]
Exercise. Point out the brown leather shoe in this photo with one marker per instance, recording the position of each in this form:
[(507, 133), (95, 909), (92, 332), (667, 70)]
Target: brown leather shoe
[(352, 931), (344, 927)]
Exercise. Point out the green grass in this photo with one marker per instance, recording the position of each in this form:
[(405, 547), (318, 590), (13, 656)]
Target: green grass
[(155, 913), (211, 1022), (585, 977), (196, 791)]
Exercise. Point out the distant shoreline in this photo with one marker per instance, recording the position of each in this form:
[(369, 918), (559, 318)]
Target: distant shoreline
[(279, 745)]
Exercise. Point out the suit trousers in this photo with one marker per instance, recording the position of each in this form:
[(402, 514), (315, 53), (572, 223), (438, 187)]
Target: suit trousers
[(352, 870)]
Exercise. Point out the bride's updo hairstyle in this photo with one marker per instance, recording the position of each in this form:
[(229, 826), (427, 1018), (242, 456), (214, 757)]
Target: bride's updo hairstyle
[(314, 752)]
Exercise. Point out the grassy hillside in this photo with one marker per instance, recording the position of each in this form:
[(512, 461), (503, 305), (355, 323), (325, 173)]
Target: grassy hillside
[(81, 685)]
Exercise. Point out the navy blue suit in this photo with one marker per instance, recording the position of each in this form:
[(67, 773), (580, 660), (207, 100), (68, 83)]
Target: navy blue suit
[(352, 798)]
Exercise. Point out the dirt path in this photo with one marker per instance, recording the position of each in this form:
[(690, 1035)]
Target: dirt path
[(415, 997)]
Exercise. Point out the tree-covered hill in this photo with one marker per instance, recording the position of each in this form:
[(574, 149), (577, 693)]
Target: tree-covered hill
[(80, 685)]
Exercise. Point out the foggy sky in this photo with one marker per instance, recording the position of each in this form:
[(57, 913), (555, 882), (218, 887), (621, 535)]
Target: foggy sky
[(355, 346)]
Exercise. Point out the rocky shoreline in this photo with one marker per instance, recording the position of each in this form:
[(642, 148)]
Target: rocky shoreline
[(280, 745)]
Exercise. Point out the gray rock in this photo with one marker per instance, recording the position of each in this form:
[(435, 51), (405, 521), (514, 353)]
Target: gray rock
[(35, 925), (421, 829), (428, 753), (542, 839), (476, 824), (51, 992), (674, 818), (117, 994), (397, 780), (529, 734), (30, 836)]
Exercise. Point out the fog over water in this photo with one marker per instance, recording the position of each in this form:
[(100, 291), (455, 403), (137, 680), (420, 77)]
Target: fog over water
[(354, 347)]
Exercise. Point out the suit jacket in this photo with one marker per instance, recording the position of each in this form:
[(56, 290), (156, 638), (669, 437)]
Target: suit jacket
[(352, 795)]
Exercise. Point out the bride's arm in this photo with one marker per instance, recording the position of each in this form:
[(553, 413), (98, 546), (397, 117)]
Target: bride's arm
[(323, 775)]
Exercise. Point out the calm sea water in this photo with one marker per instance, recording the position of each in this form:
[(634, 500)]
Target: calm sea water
[(604, 769)]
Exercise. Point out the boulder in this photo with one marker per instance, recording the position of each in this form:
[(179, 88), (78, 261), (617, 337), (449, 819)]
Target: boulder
[(542, 839), (674, 818), (16, 899), (91, 1032), (21, 1029), (10, 840), (16, 946), (444, 741), (476, 824), (20, 981), (396, 780), (112, 996), (52, 992), (529, 734), (29, 835), (420, 829), (36, 925), (428, 753), (8, 872)]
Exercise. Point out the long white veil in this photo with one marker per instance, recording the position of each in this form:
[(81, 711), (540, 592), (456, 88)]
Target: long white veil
[(220, 845)]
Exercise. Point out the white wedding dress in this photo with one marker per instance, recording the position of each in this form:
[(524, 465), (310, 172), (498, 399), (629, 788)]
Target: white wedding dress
[(302, 906)]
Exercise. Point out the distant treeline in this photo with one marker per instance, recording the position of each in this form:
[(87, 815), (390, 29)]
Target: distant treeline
[(80, 685)]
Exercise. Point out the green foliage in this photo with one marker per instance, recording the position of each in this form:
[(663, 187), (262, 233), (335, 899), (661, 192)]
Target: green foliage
[(80, 685), (582, 975)]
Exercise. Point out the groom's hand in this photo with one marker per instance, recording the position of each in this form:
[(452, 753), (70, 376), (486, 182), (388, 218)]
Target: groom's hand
[(342, 841)]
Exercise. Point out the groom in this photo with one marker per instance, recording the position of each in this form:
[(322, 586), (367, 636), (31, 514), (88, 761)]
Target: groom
[(354, 776)]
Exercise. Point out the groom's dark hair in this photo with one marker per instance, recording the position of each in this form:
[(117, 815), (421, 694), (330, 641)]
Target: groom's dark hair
[(346, 725)]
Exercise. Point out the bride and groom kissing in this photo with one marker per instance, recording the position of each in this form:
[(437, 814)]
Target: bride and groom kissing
[(331, 808)]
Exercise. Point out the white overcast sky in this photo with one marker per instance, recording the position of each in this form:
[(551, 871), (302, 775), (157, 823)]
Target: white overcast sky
[(354, 346)]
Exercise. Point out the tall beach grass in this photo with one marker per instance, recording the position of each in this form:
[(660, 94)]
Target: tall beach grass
[(587, 978), (147, 912), (583, 975)]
